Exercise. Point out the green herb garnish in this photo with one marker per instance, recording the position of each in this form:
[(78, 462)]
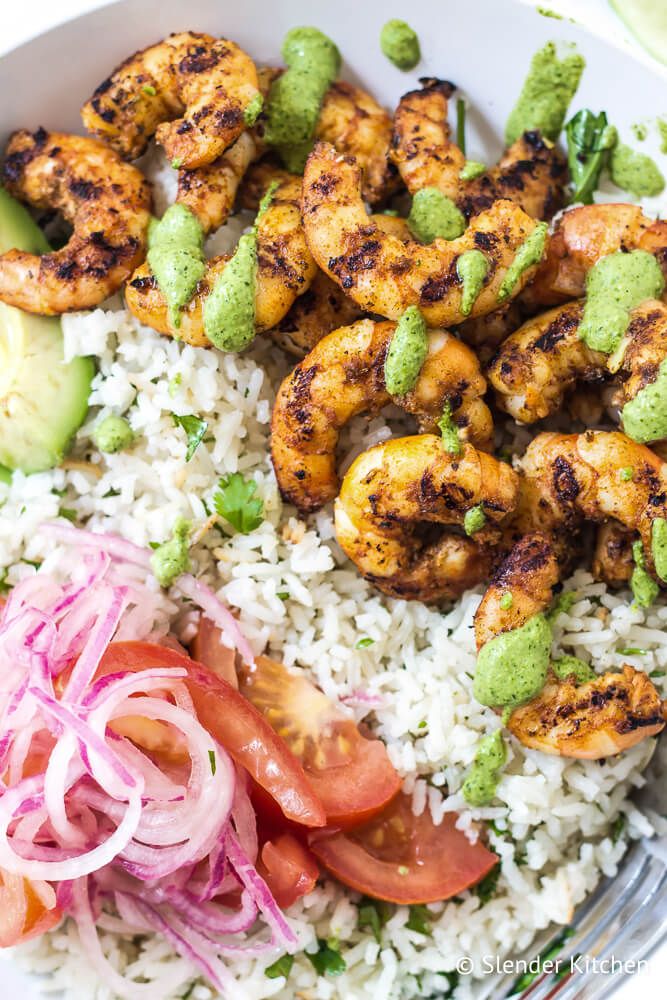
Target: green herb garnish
[(590, 139), (211, 757), (194, 427), (327, 960), (68, 514), (364, 643), (461, 125), (281, 967), (236, 502), (420, 919)]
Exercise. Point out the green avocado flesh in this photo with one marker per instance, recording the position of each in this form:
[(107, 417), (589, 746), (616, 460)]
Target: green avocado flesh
[(43, 401)]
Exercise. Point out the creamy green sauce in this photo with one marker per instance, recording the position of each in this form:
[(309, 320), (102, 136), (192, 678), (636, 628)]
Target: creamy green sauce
[(176, 257), (512, 667), (113, 434), (643, 586), (449, 431), (644, 418), (562, 605), (253, 110), (474, 520), (506, 601), (407, 352), (172, 557), (481, 782), (546, 94), (635, 172), (471, 169), (295, 98), (472, 268), (659, 546), (614, 286), (662, 131), (400, 44), (529, 253), (435, 216), (640, 131), (229, 310), (571, 666)]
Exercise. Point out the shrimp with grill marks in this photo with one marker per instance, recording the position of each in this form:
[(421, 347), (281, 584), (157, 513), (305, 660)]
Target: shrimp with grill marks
[(190, 90), (536, 366), (342, 377), (602, 717), (396, 495), (612, 559), (285, 269), (531, 172), (210, 192), (384, 274), (106, 201)]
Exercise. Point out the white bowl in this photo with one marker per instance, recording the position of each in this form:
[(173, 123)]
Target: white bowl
[(484, 46)]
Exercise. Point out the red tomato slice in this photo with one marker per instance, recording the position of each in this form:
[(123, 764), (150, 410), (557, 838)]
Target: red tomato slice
[(288, 868), (403, 858), (27, 909), (206, 648), (351, 775), (234, 723)]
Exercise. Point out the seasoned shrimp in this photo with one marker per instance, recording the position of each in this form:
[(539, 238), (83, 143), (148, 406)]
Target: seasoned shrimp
[(285, 269), (602, 717), (210, 192), (190, 90), (486, 333), (314, 314), (384, 274), (344, 376), (406, 484), (612, 559), (536, 366), (106, 201), (531, 173), (582, 236)]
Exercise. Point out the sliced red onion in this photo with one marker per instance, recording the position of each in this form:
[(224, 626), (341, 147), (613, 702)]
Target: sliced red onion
[(113, 545), (214, 609)]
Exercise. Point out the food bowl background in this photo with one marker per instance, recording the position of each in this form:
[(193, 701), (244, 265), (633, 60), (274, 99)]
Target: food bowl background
[(483, 46)]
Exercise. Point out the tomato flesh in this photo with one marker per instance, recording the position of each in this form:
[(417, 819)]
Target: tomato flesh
[(352, 776), (27, 909), (288, 868), (402, 858), (206, 648)]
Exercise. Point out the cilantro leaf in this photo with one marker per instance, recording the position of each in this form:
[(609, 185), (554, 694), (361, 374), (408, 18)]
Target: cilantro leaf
[(235, 501), (194, 427), (420, 919), (589, 141), (281, 967), (327, 960), (374, 914), (486, 889)]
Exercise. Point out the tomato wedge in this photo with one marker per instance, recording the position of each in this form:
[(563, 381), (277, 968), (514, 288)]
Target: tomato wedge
[(234, 723), (27, 909), (288, 868), (403, 858), (352, 776), (206, 648)]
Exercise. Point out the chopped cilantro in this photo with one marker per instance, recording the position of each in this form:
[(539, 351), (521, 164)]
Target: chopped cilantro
[(364, 643), (236, 502), (632, 651), (194, 427), (617, 828), (174, 383), (487, 888), (211, 757), (281, 967), (111, 493), (327, 960), (420, 919), (4, 586), (461, 125), (548, 955), (283, 595), (590, 139), (67, 513)]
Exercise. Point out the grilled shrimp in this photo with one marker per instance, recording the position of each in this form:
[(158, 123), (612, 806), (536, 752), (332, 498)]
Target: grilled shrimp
[(537, 365), (597, 719), (190, 90), (384, 274), (108, 205), (569, 478), (582, 236), (530, 173), (210, 192), (406, 484), (612, 559), (314, 314), (285, 269), (486, 333), (344, 376)]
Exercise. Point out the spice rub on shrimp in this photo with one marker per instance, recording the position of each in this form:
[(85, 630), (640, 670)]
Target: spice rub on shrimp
[(285, 269), (599, 718), (396, 493), (531, 172), (210, 192), (342, 377), (106, 201), (191, 91), (384, 274)]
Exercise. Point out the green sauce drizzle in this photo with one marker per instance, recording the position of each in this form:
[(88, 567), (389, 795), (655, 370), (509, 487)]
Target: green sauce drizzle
[(400, 44), (614, 286), (449, 431), (635, 172), (295, 98), (506, 601), (172, 557), (113, 434), (659, 546), (571, 666), (435, 216), (474, 520), (176, 257), (482, 780), (407, 352), (471, 169), (229, 310), (643, 586), (472, 268), (512, 667), (529, 253), (253, 110), (547, 91), (662, 130), (644, 418)]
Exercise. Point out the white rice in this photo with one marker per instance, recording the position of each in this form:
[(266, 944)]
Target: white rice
[(553, 817)]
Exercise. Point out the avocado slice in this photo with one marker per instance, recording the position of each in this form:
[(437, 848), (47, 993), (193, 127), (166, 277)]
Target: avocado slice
[(43, 400)]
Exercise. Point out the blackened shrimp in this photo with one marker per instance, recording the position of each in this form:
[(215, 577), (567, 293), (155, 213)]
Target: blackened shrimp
[(210, 192), (106, 201)]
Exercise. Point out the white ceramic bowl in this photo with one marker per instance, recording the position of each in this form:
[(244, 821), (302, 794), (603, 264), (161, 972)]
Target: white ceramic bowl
[(484, 46)]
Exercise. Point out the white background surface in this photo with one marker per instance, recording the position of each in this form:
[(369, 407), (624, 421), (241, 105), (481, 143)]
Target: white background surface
[(21, 20)]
